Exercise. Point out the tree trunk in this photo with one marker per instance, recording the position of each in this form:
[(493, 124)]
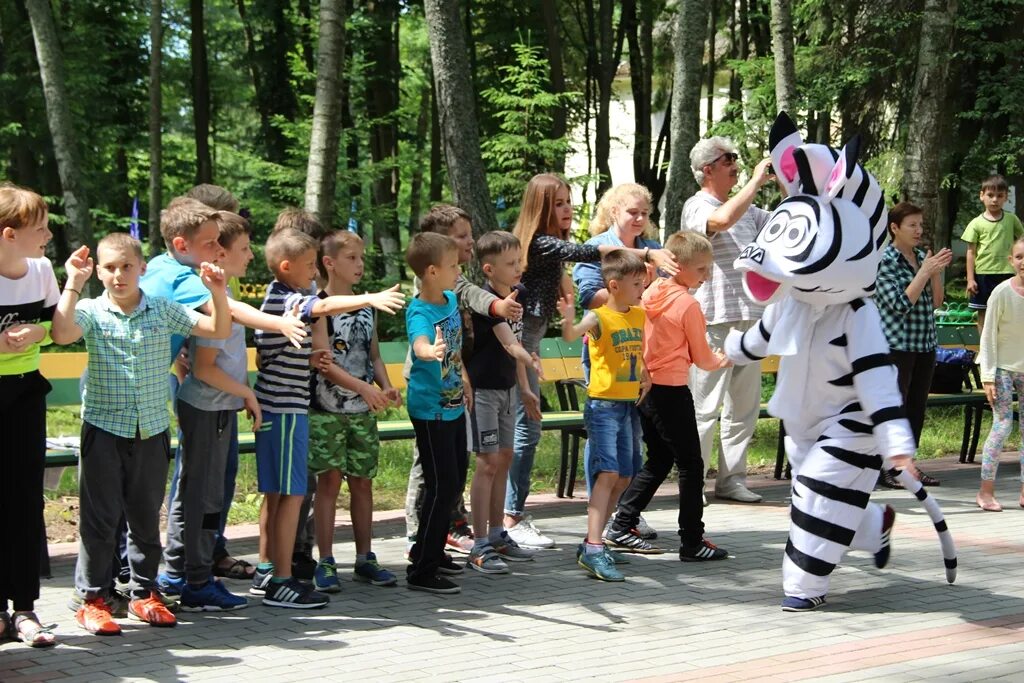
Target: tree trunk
[(352, 161), (923, 165), (688, 47), (606, 62), (457, 111), (436, 174), (200, 94), (782, 49), (712, 30), (381, 40), (306, 34), (58, 116), (416, 187), (156, 178), (554, 42), (322, 166)]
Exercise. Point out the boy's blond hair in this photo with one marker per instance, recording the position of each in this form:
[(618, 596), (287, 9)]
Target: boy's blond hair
[(232, 226), (686, 245), (287, 245), (301, 220), (214, 196), (182, 218), (442, 218), (20, 207), (334, 242), (427, 249), (120, 240), (620, 264)]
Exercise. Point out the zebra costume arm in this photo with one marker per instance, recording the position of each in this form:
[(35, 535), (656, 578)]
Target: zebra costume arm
[(751, 346)]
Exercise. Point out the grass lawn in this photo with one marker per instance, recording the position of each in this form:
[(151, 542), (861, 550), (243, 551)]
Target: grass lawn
[(942, 432)]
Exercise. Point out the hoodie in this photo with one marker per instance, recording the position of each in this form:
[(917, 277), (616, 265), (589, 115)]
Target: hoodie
[(674, 334)]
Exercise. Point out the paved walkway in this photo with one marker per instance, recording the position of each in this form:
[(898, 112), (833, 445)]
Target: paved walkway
[(669, 621)]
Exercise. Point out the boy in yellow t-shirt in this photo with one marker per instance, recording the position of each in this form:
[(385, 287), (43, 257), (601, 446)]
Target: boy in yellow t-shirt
[(615, 343)]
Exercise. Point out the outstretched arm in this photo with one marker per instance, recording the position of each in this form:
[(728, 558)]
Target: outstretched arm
[(743, 348), (79, 267)]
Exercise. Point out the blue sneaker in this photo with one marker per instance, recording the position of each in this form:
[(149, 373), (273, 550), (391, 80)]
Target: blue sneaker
[(601, 566), (211, 597), (169, 585), (371, 572), (325, 576), (793, 604), (616, 558)]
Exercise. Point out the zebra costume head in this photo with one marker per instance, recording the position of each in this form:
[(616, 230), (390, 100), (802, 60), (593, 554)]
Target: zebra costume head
[(823, 243)]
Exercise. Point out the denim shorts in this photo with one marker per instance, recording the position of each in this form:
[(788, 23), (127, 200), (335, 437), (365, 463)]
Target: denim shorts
[(613, 433)]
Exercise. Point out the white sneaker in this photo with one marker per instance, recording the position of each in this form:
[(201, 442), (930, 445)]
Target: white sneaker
[(526, 535), (740, 494), (647, 532)]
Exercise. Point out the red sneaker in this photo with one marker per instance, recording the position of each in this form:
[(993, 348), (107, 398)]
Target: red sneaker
[(460, 538), (151, 610), (94, 617)]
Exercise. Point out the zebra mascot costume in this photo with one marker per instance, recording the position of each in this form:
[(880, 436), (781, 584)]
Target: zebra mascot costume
[(814, 265)]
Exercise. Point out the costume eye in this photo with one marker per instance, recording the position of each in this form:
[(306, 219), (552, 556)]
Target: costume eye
[(795, 231), (779, 223)]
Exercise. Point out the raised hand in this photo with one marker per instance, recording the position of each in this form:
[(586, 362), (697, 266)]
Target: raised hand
[(665, 260), (566, 308), (79, 267), (390, 300), (440, 348), (292, 326), (213, 276), (934, 263), (509, 308), (762, 174)]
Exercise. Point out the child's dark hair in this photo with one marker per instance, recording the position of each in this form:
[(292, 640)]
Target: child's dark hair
[(995, 183), (182, 218), (442, 218), (301, 220), (120, 240), (494, 244), (427, 249), (287, 245), (901, 212), (334, 242), (214, 196), (620, 264), (20, 207), (232, 226)]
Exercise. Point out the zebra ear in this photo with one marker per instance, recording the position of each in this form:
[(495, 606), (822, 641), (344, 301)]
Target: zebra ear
[(843, 170), (783, 139)]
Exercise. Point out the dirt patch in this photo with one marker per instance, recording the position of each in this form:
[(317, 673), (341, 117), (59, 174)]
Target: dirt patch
[(61, 517)]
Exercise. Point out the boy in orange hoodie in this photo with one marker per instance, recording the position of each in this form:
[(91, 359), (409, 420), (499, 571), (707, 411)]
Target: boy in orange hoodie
[(674, 339)]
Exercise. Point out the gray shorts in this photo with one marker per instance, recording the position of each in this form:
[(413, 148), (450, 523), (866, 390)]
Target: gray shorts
[(493, 420)]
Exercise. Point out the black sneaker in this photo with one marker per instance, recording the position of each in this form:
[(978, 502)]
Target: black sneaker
[(303, 566), (888, 481), (793, 604), (433, 584), (888, 519), (260, 581), (294, 594), (450, 567), (702, 552)]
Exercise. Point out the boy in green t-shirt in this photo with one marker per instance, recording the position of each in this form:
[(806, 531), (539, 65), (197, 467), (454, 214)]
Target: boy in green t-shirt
[(989, 237)]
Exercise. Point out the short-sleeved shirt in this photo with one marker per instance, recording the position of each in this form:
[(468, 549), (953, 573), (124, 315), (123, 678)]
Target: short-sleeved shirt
[(351, 337), (994, 240), (232, 359), (282, 384), (908, 326), (722, 298), (435, 387), (29, 300), (490, 366), (587, 276), (168, 279), (616, 348), (544, 272), (126, 390)]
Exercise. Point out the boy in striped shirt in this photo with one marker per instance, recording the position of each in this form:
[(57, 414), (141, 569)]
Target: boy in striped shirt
[(282, 388)]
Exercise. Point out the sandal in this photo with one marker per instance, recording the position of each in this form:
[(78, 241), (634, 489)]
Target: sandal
[(28, 630), (5, 626), (239, 570)]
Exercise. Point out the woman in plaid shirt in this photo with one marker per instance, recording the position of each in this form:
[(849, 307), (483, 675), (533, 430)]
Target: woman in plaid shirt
[(909, 288)]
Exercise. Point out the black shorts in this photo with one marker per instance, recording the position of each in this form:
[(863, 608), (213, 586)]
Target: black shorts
[(986, 283)]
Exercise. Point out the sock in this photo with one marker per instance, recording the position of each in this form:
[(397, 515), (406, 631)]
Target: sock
[(265, 567), (481, 543), (278, 579), (360, 558), (592, 548), (495, 534)]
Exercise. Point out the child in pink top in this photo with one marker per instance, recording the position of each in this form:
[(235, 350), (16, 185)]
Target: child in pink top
[(674, 339)]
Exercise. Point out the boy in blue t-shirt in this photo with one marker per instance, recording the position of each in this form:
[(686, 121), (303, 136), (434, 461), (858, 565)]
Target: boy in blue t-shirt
[(437, 396)]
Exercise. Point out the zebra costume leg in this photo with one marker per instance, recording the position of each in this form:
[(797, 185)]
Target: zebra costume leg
[(832, 484)]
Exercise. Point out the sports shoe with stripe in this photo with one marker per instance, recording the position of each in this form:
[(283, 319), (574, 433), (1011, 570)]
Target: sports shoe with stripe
[(213, 596), (294, 594), (794, 604), (888, 519), (460, 538), (600, 566), (702, 552), (94, 617), (260, 581), (372, 573), (511, 551), (628, 541), (645, 530), (151, 610), (527, 535)]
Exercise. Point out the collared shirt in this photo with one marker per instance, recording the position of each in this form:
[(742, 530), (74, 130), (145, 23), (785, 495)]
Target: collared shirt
[(721, 297), (166, 278), (126, 391), (908, 326)]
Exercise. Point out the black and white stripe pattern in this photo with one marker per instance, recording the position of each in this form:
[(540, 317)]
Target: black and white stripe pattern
[(282, 385)]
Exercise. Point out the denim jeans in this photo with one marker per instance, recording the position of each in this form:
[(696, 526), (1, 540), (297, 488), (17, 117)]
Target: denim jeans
[(527, 429), (613, 433)]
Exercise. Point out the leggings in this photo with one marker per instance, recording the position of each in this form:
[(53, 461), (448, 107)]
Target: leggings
[(1002, 422)]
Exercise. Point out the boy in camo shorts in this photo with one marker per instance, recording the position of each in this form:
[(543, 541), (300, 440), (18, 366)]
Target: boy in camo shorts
[(351, 386)]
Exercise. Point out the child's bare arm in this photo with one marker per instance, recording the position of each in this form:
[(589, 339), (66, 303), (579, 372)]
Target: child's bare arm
[(206, 370), (288, 324), (972, 253), (571, 332), (217, 325), (389, 301), (380, 374), (79, 267), (335, 374)]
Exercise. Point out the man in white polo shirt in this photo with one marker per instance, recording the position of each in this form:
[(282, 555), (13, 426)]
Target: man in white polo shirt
[(731, 223)]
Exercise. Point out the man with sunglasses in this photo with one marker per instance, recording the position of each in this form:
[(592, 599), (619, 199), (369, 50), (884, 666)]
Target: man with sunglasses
[(731, 223)]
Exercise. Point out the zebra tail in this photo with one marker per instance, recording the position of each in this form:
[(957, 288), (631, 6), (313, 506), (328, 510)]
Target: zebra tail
[(938, 520)]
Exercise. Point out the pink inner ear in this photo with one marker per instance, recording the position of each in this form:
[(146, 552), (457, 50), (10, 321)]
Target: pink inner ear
[(788, 164), (837, 172)]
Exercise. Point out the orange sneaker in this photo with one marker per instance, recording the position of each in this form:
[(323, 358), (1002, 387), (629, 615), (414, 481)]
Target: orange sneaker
[(151, 610), (94, 617)]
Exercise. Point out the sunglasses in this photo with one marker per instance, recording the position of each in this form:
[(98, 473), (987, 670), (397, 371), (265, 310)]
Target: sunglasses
[(731, 157)]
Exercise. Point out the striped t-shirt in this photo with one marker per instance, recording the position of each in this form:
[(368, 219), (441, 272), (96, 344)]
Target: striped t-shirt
[(282, 384)]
